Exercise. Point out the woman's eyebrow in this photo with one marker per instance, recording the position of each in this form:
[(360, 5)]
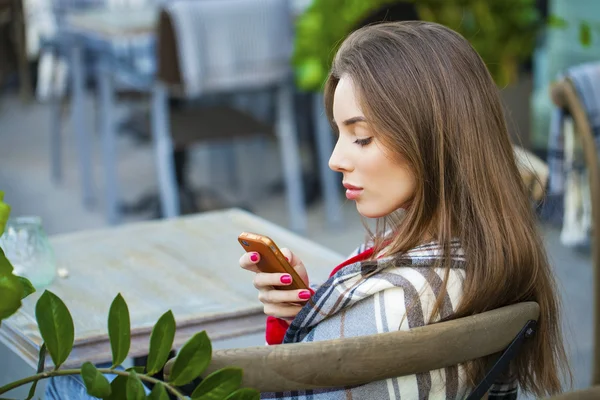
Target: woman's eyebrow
[(353, 120)]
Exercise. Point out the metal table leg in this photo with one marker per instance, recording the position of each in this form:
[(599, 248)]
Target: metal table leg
[(109, 148), (78, 124)]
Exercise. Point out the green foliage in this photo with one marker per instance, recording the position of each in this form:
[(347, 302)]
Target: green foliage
[(135, 387), (585, 29), (12, 288), (118, 388), (56, 327), (219, 384), (161, 342), (192, 360), (4, 212), (119, 330), (585, 34), (158, 393), (502, 32), (57, 330), (40, 368), (96, 384)]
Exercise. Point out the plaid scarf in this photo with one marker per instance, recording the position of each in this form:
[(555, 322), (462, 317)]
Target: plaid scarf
[(383, 295)]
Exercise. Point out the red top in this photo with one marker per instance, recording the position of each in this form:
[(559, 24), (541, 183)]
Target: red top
[(276, 327)]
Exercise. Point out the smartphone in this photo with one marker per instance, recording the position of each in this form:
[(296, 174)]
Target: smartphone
[(271, 258)]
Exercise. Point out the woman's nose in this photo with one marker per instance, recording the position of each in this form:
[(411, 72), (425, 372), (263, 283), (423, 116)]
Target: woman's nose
[(338, 161)]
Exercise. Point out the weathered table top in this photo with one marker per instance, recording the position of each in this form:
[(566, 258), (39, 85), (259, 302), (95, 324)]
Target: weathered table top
[(188, 265)]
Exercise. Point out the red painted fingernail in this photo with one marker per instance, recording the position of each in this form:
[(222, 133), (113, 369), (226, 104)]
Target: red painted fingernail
[(287, 259), (254, 257), (304, 295), (286, 279)]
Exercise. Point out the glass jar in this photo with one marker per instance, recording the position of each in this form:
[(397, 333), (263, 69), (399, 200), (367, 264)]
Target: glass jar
[(27, 247)]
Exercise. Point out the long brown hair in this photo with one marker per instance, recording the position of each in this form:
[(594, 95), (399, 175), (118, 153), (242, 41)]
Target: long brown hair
[(430, 99)]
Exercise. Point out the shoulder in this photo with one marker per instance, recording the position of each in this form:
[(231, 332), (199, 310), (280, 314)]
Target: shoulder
[(361, 248)]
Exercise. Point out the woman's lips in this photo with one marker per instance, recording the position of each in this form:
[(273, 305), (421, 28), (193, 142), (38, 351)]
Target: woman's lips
[(352, 192)]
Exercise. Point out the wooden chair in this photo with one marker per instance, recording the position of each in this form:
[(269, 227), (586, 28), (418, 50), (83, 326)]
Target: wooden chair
[(564, 95), (359, 360), (592, 393)]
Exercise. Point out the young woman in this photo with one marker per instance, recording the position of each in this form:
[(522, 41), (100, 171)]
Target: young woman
[(423, 147)]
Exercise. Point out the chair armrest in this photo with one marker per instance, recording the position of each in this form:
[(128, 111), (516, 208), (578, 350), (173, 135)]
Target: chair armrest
[(591, 393), (359, 360)]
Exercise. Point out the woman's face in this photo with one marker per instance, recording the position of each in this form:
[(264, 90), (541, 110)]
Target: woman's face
[(378, 182)]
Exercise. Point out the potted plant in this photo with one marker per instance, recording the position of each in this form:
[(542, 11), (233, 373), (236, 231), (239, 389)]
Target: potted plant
[(57, 330)]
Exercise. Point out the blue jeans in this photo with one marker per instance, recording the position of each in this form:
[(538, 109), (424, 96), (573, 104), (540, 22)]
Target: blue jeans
[(71, 387)]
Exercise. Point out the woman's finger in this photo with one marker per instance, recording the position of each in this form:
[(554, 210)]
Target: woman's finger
[(296, 263), (281, 311), (283, 296), (248, 261), (268, 279)]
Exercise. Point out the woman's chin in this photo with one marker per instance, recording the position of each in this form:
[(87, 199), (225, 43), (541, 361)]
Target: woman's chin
[(369, 212)]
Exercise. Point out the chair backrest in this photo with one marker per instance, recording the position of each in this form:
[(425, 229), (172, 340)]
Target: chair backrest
[(213, 46), (359, 360), (564, 95)]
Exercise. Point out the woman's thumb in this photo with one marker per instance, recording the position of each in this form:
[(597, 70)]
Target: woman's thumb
[(296, 263)]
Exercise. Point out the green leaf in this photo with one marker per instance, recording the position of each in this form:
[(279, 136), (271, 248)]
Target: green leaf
[(27, 287), (192, 359), (41, 359), (118, 388), (96, 384), (135, 388), (585, 34), (11, 292), (219, 384), (119, 330), (4, 213), (161, 343), (554, 21), (244, 394), (139, 369), (158, 392), (56, 326), (32, 389), (40, 369), (5, 266)]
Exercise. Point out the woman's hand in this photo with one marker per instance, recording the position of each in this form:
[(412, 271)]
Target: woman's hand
[(278, 303)]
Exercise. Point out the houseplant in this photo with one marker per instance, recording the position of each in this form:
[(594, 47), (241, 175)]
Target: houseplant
[(503, 32), (57, 331)]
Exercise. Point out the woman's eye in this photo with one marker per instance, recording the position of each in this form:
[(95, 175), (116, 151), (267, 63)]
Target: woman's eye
[(363, 142)]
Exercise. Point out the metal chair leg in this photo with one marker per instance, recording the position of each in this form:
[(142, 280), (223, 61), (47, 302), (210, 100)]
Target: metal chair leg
[(290, 158), (78, 125), (163, 153), (109, 147), (56, 139)]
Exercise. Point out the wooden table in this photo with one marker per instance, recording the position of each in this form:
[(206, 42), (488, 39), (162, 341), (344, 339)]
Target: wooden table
[(188, 265)]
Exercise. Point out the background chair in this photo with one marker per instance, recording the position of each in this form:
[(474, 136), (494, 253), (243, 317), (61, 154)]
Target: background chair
[(13, 50), (212, 49), (564, 95), (66, 58), (359, 360)]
